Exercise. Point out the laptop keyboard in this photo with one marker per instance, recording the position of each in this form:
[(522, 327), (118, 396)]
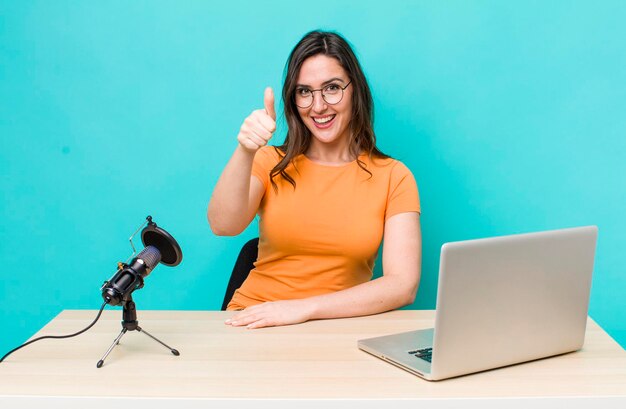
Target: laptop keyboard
[(426, 354)]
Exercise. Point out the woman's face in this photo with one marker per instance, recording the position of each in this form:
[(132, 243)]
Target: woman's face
[(329, 124)]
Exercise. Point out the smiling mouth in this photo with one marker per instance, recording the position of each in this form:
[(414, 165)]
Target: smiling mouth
[(324, 119)]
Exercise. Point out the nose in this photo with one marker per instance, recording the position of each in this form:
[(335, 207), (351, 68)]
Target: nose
[(319, 105)]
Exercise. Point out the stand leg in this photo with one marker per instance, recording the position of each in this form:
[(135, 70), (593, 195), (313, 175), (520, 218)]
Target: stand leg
[(130, 323), (172, 350), (116, 342)]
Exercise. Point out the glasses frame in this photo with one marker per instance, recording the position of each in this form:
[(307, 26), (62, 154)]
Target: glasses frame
[(313, 91)]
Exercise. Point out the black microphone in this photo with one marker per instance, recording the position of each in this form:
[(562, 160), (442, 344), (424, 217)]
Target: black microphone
[(130, 277), (161, 247)]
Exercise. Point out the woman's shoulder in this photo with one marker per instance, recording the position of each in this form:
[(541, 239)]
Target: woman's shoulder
[(271, 150), (385, 163), (269, 153)]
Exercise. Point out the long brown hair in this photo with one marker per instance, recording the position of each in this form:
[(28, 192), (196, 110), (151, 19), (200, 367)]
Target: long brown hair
[(298, 136)]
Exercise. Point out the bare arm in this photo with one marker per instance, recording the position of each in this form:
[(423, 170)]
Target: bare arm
[(402, 259), (237, 194), (397, 287)]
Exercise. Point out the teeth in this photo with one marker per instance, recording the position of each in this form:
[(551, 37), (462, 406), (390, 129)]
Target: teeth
[(324, 120)]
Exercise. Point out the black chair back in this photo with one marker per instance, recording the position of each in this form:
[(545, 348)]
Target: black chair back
[(243, 265)]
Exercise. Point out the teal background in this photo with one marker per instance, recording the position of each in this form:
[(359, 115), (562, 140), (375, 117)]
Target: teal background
[(510, 115)]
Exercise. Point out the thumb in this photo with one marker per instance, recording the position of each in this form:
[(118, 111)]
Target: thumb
[(268, 101)]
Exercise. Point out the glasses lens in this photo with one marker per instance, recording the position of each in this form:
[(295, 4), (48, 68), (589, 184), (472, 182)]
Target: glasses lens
[(332, 94), (304, 98)]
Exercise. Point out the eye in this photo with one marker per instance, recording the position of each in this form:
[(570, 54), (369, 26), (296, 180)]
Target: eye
[(332, 87), (303, 92)]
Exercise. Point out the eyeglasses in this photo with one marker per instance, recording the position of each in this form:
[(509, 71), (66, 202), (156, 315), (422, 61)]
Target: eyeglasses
[(332, 94)]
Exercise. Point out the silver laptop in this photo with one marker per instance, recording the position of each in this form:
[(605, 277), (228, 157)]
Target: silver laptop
[(501, 301)]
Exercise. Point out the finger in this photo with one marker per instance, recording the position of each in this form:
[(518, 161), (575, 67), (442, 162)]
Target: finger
[(254, 133), (234, 318), (259, 324), (248, 144), (245, 315), (269, 102), (241, 315), (244, 321), (265, 120), (258, 129), (251, 137)]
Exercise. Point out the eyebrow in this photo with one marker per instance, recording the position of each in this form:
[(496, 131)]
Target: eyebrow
[(323, 83)]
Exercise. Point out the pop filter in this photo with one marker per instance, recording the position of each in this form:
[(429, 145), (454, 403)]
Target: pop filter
[(153, 235), (160, 247)]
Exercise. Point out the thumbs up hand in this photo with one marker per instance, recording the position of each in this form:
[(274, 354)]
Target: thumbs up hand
[(258, 127)]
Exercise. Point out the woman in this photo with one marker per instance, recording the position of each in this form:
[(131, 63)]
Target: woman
[(326, 198)]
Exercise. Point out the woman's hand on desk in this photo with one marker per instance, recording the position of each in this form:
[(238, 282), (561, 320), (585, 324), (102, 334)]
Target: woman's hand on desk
[(271, 314)]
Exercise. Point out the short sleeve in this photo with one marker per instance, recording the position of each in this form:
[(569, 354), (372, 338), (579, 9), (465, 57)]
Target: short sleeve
[(403, 194), (264, 161)]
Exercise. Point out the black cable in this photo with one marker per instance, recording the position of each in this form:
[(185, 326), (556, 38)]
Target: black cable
[(57, 336)]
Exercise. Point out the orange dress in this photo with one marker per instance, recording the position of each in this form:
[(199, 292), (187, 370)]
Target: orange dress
[(324, 235)]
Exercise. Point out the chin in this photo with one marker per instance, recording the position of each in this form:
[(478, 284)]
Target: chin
[(328, 137)]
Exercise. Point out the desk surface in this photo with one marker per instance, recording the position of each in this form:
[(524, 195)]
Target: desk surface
[(317, 359)]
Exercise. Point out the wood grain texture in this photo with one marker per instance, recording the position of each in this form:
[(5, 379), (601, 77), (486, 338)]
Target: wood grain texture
[(317, 359)]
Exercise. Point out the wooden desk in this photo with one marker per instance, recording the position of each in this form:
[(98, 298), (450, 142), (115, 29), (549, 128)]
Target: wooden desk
[(311, 361)]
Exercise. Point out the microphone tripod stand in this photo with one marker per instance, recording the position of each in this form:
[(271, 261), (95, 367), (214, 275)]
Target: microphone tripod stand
[(130, 323)]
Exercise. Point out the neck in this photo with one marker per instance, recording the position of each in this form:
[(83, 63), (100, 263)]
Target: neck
[(329, 154)]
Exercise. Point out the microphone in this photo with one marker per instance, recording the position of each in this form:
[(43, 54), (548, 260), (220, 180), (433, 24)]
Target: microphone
[(130, 277), (161, 247)]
